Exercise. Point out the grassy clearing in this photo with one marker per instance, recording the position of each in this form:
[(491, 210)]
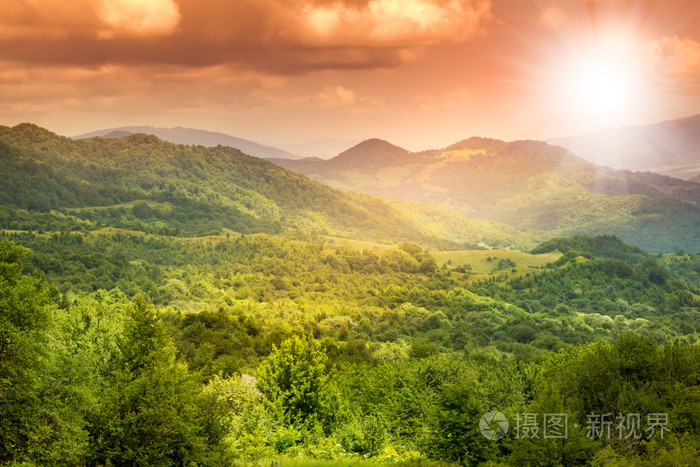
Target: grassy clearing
[(361, 245), (485, 261)]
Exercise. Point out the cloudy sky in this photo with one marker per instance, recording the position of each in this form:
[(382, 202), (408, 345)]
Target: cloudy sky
[(420, 73)]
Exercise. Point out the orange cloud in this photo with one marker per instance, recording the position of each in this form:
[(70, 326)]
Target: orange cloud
[(678, 59), (553, 18), (394, 22), (138, 17), (283, 36), (335, 96), (30, 19)]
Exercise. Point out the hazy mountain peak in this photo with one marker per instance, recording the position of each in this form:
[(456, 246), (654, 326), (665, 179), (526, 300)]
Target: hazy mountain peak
[(377, 144), (368, 154), (118, 134), (476, 142)]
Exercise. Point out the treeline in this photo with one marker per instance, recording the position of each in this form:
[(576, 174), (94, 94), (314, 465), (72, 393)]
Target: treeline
[(604, 246)]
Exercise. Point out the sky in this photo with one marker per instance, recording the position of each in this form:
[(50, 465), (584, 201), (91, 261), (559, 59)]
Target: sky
[(419, 73)]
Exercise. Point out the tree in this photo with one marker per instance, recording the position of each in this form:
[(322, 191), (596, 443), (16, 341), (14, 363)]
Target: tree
[(148, 417), (294, 378), (40, 400), (24, 321), (454, 434), (142, 210)]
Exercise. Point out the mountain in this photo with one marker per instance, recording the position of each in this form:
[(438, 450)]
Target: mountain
[(367, 156), (142, 183), (321, 148), (670, 148), (179, 135), (530, 185)]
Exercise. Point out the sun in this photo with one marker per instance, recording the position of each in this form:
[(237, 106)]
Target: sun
[(600, 86)]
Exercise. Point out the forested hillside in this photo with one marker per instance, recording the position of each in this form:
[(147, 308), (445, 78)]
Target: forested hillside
[(529, 185), (192, 136), (178, 305), (389, 346), (140, 182)]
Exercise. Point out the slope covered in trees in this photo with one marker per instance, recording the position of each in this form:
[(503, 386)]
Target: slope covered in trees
[(175, 189), (193, 136), (528, 184), (138, 327), (260, 347)]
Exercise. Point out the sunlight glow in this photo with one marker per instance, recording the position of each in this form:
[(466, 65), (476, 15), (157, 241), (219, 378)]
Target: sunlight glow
[(601, 85)]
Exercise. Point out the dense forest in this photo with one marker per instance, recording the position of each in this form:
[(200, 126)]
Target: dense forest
[(127, 349), (238, 315)]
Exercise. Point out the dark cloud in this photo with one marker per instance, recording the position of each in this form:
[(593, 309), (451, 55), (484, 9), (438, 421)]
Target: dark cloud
[(289, 36)]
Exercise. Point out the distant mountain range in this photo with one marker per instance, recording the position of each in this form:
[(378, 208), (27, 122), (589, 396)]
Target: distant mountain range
[(140, 182), (179, 135), (530, 185), (479, 190), (670, 148), (320, 148)]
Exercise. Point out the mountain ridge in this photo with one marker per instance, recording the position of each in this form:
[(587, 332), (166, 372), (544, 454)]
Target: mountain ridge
[(528, 184), (194, 136), (140, 182), (671, 147)]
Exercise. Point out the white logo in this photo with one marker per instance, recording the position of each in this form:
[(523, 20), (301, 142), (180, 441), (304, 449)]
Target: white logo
[(493, 425)]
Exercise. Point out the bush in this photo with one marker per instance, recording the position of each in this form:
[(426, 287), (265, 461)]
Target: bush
[(365, 436)]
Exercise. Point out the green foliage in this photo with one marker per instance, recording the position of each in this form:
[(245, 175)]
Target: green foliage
[(40, 419), (602, 246), (504, 263), (686, 268), (142, 183), (631, 375), (455, 434), (365, 436), (360, 350), (294, 378), (397, 360), (148, 413)]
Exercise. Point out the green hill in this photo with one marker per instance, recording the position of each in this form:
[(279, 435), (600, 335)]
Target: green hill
[(140, 182), (604, 246), (529, 185), (390, 344), (194, 136)]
